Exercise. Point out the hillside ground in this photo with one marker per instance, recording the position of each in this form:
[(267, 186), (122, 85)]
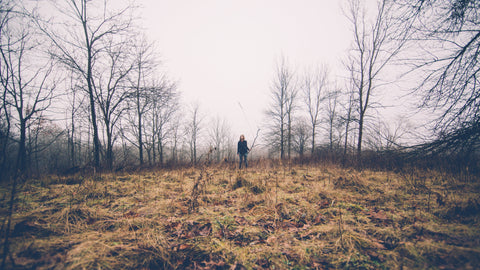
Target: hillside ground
[(269, 216)]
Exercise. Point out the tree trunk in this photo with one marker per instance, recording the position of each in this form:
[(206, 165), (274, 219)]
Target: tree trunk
[(149, 156), (140, 139), (93, 115), (154, 152), (174, 148), (72, 144), (5, 140), (289, 135), (281, 141), (160, 151), (22, 151), (109, 156), (346, 137), (195, 152), (360, 134), (139, 112), (330, 135), (313, 140)]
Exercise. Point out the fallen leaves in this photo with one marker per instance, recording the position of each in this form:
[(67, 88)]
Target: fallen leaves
[(189, 229), (379, 217)]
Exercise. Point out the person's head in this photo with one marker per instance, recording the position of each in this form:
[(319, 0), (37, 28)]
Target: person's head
[(242, 137)]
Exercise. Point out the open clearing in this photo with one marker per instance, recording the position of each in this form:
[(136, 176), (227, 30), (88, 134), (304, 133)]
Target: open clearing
[(302, 217)]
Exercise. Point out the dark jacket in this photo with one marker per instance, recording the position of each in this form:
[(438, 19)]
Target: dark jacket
[(242, 147)]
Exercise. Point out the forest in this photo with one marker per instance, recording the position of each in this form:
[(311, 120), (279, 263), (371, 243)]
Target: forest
[(103, 165)]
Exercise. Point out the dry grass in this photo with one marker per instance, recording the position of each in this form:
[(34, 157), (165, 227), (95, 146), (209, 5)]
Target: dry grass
[(306, 217)]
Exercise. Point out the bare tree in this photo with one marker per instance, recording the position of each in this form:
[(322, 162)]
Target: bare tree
[(290, 107), (145, 64), (5, 128), (46, 146), (446, 36), (6, 18), (219, 132), (76, 103), (313, 88), (332, 115), (78, 30), (347, 119), (26, 78), (176, 138), (165, 105), (374, 46), (280, 111), (193, 130), (300, 136), (27, 91), (387, 135), (112, 90), (6, 15)]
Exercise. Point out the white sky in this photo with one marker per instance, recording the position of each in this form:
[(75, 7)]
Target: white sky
[(223, 52)]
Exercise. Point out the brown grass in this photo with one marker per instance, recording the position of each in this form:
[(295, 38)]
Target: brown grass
[(306, 217)]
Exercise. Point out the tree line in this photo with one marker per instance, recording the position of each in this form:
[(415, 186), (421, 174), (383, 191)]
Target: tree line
[(84, 87), (433, 45)]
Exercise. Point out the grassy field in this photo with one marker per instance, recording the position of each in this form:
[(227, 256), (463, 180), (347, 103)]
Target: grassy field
[(300, 217)]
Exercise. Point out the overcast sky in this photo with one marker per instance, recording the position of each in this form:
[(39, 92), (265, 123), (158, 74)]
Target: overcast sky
[(223, 53)]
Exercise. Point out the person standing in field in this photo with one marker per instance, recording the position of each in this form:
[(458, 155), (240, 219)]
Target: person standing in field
[(242, 151)]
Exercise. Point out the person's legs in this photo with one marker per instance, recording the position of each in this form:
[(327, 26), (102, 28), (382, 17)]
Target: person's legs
[(243, 159)]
